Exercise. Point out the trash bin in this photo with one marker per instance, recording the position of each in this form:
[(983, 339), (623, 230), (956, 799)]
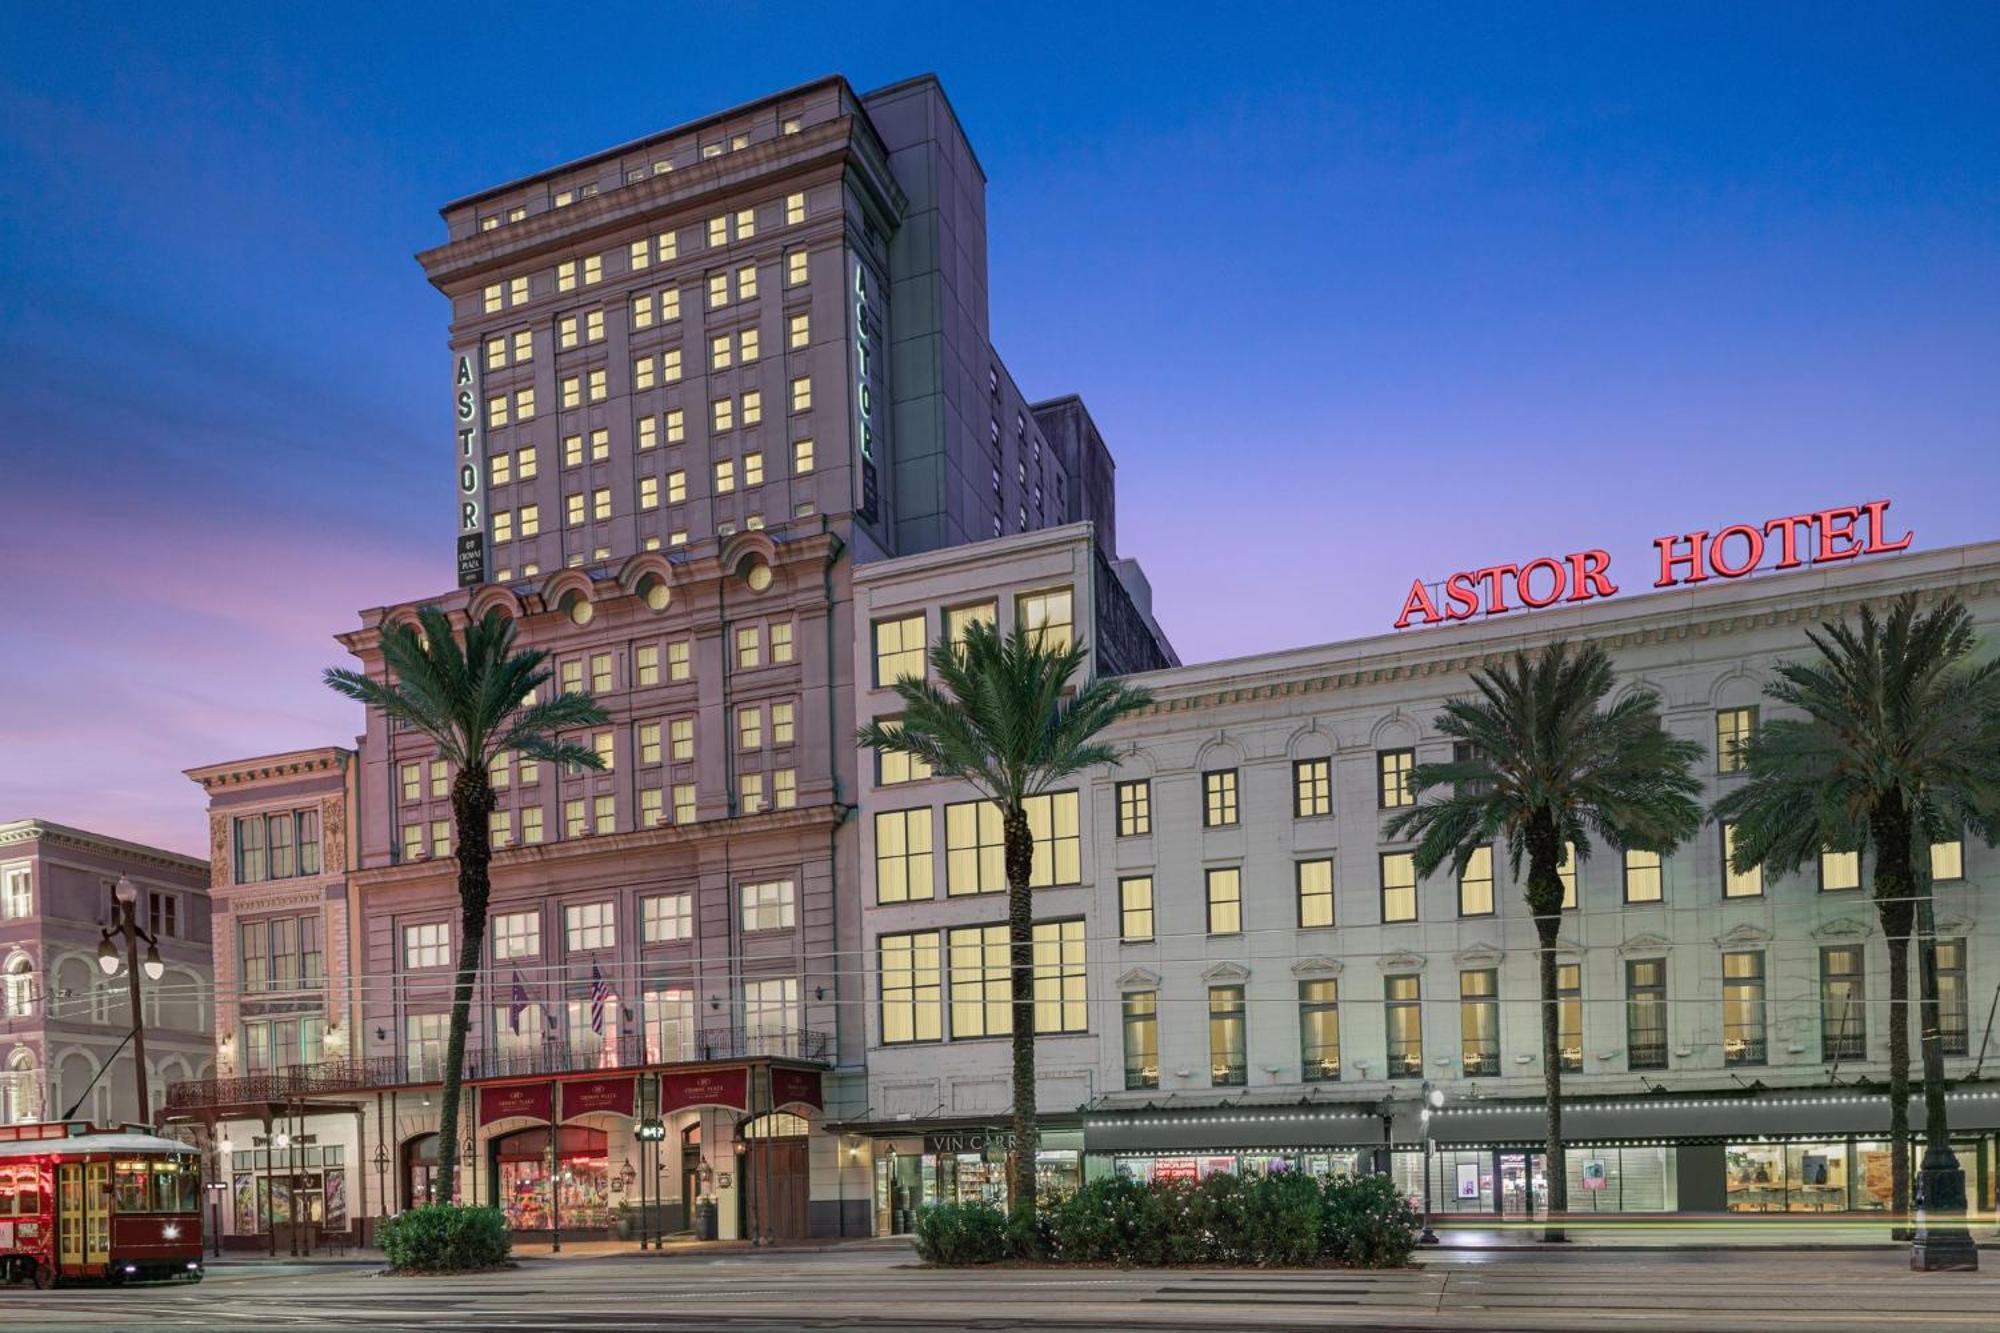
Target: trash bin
[(704, 1220)]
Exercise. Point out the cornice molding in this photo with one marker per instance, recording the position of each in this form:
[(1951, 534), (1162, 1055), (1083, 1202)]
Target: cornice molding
[(272, 768), (61, 835)]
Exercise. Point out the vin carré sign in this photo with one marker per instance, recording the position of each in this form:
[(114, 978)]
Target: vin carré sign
[(1820, 537)]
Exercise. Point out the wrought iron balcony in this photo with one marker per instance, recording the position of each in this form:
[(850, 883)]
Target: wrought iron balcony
[(289, 1083)]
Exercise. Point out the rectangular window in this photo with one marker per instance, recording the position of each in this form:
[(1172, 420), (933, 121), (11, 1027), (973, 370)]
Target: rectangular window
[(250, 850), (1061, 1000), (1052, 823), (574, 823), (750, 793), (1218, 798), (413, 782), (440, 838), (426, 945), (1315, 891), (1046, 618), (1225, 900), (785, 789), (798, 331), (1228, 1050), (590, 926), (1319, 1030), (782, 726), (1743, 1008), (679, 664), (531, 825), (892, 769), (912, 988), (767, 905), (1747, 884), (802, 457), (770, 1014), (685, 805), (781, 641), (1399, 886), (1569, 1016), (666, 918), (1312, 788), (517, 935), (1479, 1022), (424, 1045), (1646, 1013), (652, 801), (1393, 788), (680, 739), (668, 1015), (795, 209), (1135, 808), (1953, 1031), (1475, 884), (1142, 1040), (1843, 1020), (899, 649), (974, 851), (1566, 872), (1135, 908), (903, 858), (1733, 729), (1948, 860), (749, 648), (1839, 871), (980, 998), (795, 268), (1402, 1000), (17, 899), (605, 814), (1644, 882), (413, 841), (750, 728)]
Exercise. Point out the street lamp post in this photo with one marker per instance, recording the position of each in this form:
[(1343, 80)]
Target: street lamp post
[(125, 924), (1433, 1099)]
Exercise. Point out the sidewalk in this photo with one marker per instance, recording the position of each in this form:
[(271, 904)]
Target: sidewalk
[(572, 1249), (1695, 1232)]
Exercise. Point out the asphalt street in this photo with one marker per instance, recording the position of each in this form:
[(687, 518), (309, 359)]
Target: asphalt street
[(885, 1289)]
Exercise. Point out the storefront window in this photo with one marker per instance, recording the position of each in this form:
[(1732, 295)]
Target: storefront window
[(582, 1171), (1756, 1177)]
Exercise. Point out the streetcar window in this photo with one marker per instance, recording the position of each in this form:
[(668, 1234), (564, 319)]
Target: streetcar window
[(28, 1192), (176, 1189), (129, 1187), (7, 1195)]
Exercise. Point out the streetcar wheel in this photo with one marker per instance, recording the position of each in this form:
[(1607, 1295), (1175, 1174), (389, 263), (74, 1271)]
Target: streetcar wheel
[(45, 1276)]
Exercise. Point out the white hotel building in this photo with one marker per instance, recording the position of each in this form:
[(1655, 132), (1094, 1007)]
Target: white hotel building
[(1241, 970)]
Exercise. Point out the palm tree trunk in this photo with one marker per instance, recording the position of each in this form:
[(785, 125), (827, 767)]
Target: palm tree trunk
[(471, 803), (1558, 1174), (1019, 843), (1899, 1073)]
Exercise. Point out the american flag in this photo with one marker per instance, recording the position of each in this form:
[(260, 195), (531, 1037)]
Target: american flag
[(516, 1004), (600, 991)]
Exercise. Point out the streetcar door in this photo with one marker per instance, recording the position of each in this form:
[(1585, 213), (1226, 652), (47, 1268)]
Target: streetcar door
[(69, 1212), (97, 1212)]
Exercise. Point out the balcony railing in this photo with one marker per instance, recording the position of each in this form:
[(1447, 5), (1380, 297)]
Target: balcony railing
[(523, 1057), (281, 1085)]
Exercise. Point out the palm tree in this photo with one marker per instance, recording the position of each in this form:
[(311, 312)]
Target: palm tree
[(1001, 719), (1898, 748), (475, 700), (1544, 766)]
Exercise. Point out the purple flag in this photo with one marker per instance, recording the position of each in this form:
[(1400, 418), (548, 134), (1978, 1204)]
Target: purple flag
[(516, 1003)]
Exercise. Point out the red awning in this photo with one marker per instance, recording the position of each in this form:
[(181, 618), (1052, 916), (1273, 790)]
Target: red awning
[(705, 1087)]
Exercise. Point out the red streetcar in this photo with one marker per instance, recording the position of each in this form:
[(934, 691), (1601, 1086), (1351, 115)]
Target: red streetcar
[(83, 1204)]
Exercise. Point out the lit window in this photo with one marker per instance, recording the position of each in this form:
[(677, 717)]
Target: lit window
[(795, 209), (666, 917), (750, 728), (903, 857), (798, 330), (749, 647), (974, 856), (1644, 882), (724, 414), (531, 524), (795, 268), (718, 290), (720, 350), (1749, 883), (524, 345), (802, 393), (749, 345), (680, 736), (746, 282), (599, 386), (781, 641), (1733, 729), (894, 768), (1839, 870), (649, 492), (427, 945), (603, 746), (782, 723), (899, 649), (1218, 803), (606, 810), (1315, 892), (1135, 808), (753, 407), (1475, 884), (1393, 788), (531, 825), (642, 372), (753, 469), (676, 424), (802, 457), (725, 476), (1225, 900), (503, 525), (1399, 886), (1312, 788), (1045, 618), (600, 504), (649, 738), (517, 935), (684, 803), (1135, 908), (912, 988)]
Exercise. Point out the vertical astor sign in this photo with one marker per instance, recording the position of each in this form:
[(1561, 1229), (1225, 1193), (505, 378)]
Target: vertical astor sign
[(868, 405), (471, 472)]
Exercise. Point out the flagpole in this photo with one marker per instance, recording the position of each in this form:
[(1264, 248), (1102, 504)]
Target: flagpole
[(555, 1171)]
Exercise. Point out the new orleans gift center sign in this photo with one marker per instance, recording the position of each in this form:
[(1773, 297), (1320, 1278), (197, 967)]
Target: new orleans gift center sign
[(1820, 537)]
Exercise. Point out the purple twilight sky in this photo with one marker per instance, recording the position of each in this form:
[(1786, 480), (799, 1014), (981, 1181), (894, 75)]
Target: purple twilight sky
[(1356, 297)]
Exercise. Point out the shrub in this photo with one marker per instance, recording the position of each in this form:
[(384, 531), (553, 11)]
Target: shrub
[(445, 1238), (1368, 1223), (962, 1233), (1281, 1220)]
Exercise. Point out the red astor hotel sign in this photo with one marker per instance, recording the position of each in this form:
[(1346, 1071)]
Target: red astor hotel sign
[(1820, 537)]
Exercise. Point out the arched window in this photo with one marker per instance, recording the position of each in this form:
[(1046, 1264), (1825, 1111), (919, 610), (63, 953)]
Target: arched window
[(776, 1125), (18, 998), (20, 1090)]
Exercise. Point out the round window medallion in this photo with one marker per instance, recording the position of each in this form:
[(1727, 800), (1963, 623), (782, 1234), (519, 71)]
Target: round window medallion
[(655, 592), (579, 608), (757, 574)]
